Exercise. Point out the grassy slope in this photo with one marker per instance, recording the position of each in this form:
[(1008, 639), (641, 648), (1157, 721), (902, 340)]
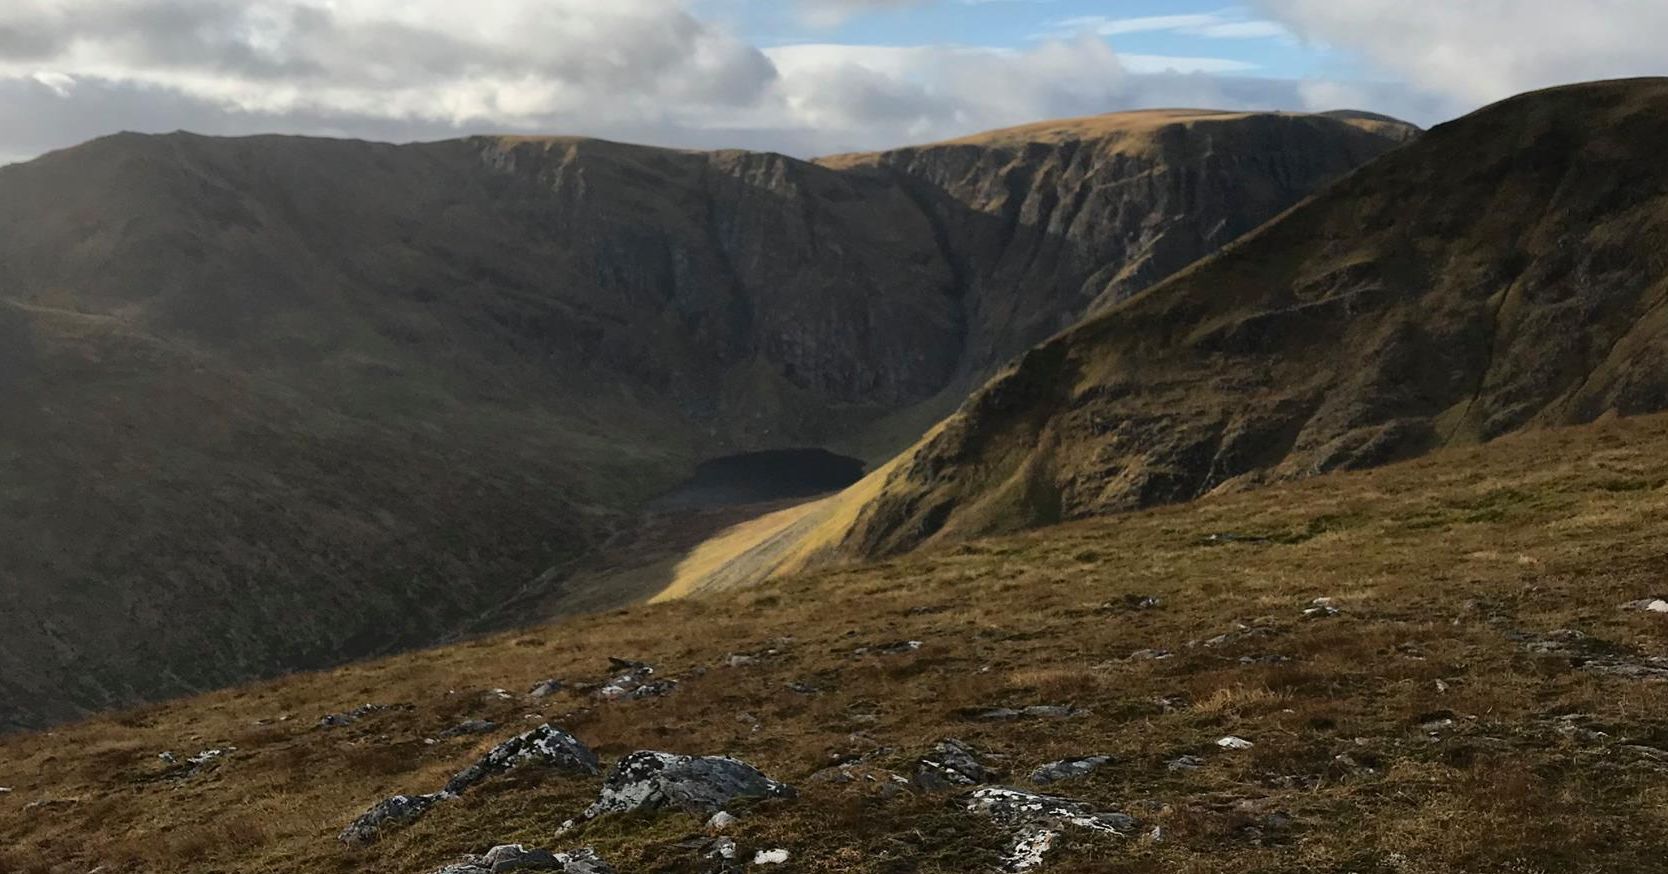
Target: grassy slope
[(1433, 562)]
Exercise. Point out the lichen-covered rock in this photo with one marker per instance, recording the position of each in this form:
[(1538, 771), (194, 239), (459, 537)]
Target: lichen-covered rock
[(1038, 821), (647, 780), (1069, 769), (397, 810), (952, 764), (546, 746), (515, 857)]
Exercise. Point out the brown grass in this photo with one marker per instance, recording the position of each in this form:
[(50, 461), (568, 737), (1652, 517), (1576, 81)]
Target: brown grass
[(1433, 564)]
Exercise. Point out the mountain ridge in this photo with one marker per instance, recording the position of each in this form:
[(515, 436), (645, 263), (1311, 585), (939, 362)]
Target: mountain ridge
[(1093, 422), (378, 389)]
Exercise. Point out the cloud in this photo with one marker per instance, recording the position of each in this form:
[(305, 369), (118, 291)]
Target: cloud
[(827, 13), (1209, 25), (642, 70), (1482, 50)]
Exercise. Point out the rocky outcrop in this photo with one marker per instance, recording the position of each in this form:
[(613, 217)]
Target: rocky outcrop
[(392, 812), (648, 780), (516, 857), (1037, 822), (546, 747)]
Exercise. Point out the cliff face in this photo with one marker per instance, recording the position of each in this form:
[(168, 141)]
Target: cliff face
[(293, 401), (1502, 273), (1045, 223)]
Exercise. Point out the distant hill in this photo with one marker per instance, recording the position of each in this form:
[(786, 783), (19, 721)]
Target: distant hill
[(273, 403)]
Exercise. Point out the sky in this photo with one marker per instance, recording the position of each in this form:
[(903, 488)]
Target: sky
[(805, 77)]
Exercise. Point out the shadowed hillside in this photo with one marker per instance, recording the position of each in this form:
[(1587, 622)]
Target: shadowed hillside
[(286, 401)]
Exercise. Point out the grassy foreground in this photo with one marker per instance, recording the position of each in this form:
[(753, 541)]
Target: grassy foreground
[(1418, 730)]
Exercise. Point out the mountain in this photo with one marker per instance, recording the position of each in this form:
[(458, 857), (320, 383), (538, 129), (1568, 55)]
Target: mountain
[(275, 403), (1503, 272), (1479, 686)]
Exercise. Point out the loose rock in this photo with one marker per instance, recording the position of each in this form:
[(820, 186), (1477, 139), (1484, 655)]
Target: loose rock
[(1235, 743), (648, 780), (633, 682), (770, 857)]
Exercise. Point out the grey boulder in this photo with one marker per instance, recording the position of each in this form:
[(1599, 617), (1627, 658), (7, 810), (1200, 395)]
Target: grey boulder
[(950, 765), (397, 810), (647, 780)]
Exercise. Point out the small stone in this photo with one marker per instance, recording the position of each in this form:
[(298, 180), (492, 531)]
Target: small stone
[(720, 821), (1069, 769), (1235, 743), (546, 689), (1150, 655), (770, 857), (1185, 763), (886, 649)]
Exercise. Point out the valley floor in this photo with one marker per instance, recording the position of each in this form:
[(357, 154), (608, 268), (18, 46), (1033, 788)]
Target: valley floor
[(1473, 697)]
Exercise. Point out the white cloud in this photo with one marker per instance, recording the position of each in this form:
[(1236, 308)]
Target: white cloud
[(1482, 50)]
